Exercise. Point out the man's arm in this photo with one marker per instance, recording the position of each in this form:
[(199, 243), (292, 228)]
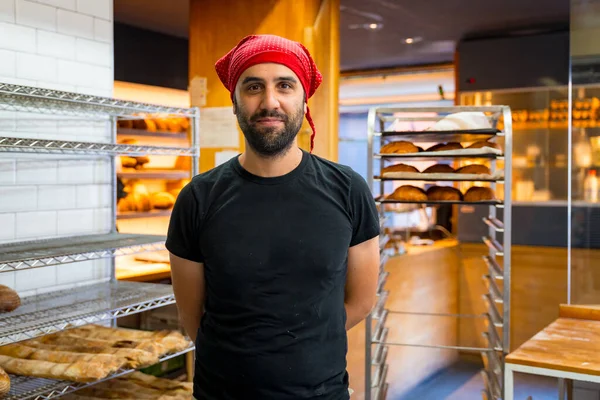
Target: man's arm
[(361, 281), (189, 288)]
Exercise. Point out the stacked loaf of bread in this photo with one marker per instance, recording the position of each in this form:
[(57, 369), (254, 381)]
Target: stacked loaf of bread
[(404, 147), (172, 125)]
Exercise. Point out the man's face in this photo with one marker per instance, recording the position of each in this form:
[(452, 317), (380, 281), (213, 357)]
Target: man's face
[(269, 107)]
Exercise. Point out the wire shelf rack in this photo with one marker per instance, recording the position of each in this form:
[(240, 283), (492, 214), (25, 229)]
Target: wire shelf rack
[(30, 388), (24, 145), (60, 310), (42, 253), (40, 100)]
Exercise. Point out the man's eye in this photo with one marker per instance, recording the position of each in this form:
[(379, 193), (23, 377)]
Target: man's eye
[(253, 88), (286, 86)]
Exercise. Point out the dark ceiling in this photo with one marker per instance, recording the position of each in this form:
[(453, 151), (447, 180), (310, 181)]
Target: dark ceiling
[(434, 25)]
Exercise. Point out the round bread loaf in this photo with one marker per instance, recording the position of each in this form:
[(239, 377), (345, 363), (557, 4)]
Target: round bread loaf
[(444, 193), (399, 168), (484, 143), (408, 193), (399, 147), (439, 169), (479, 193), (476, 169), (4, 383), (128, 162), (9, 299), (445, 146), (162, 200)]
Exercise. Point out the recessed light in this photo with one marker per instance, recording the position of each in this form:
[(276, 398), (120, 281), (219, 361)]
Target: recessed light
[(413, 40), (409, 40), (373, 26)]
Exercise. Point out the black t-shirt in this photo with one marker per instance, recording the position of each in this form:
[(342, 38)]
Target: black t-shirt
[(275, 257)]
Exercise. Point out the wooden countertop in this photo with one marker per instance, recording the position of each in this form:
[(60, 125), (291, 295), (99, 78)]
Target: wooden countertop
[(437, 245), (570, 344)]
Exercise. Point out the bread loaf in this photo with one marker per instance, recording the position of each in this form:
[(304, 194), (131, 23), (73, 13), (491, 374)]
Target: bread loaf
[(439, 169), (444, 193), (479, 193), (399, 147), (128, 162), (484, 143), (9, 299), (4, 383), (162, 200), (408, 193), (399, 168), (476, 169), (445, 146)]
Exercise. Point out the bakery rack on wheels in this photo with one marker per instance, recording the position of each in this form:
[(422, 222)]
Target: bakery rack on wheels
[(100, 302), (418, 126)]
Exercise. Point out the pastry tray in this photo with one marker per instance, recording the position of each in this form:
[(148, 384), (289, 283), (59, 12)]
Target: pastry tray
[(483, 152), (383, 200), (420, 176), (467, 135), (31, 388)]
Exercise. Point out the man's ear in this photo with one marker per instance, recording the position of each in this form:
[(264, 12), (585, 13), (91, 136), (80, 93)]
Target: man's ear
[(234, 107), (305, 107)]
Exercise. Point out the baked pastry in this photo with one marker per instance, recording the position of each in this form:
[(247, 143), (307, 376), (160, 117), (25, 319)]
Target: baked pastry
[(9, 299), (408, 193), (128, 162), (399, 168), (140, 161), (476, 169), (439, 169), (162, 200), (4, 383), (399, 147), (444, 193), (483, 143), (445, 146), (479, 193)]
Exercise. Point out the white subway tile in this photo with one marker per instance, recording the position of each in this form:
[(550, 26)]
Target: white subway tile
[(37, 125), (60, 86), (67, 4), (36, 15), (18, 198), (100, 9), (36, 224), (103, 30), (103, 92), (39, 172), (7, 227), (7, 10), (75, 222), (19, 81), (76, 171), (31, 279), (102, 172), (55, 45), (15, 37), (8, 63), (41, 68), (57, 197), (75, 272), (85, 75), (7, 172), (93, 196), (7, 279), (93, 52), (71, 23), (103, 221), (102, 268)]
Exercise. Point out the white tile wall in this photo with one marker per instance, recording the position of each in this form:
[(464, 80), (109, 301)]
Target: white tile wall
[(63, 45)]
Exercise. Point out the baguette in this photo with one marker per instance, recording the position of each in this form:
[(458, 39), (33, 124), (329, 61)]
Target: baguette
[(159, 383), (75, 372), (4, 383), (66, 338)]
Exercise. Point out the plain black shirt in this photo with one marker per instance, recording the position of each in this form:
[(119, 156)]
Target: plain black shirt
[(275, 258)]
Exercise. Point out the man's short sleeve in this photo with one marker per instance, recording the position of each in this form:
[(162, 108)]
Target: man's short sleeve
[(365, 219), (183, 236)]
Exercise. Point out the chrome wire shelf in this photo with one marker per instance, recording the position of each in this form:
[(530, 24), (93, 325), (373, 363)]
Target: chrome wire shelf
[(40, 100), (30, 388), (56, 311), (42, 253), (23, 145)]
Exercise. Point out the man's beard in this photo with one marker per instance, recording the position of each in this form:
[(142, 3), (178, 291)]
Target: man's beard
[(270, 141)]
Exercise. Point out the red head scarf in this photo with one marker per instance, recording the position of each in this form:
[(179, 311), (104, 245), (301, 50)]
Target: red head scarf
[(258, 49)]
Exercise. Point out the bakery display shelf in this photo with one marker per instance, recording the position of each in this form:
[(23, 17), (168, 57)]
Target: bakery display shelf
[(380, 376), (494, 246), (42, 253), (495, 316), (40, 100), (494, 223), (46, 146), (492, 337), (429, 156), (157, 134), (379, 306), (382, 280), (384, 200), (434, 178), (494, 291), (31, 388), (60, 310), (463, 136), (380, 354), (146, 214), (380, 393), (494, 268), (154, 174)]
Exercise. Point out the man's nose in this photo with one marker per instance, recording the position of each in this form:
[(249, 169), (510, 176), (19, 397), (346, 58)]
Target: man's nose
[(270, 100)]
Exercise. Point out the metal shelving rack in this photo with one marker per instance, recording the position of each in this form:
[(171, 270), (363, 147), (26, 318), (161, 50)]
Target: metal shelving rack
[(498, 258), (59, 310)]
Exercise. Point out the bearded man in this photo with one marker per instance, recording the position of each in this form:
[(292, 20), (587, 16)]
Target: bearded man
[(275, 253)]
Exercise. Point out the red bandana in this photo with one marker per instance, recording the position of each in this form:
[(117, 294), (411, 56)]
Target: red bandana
[(257, 49)]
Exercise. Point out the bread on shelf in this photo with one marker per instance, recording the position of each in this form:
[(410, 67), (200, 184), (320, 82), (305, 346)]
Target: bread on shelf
[(446, 146), (399, 147), (399, 168), (479, 193), (408, 193), (439, 169), (483, 143), (9, 299), (475, 169), (162, 200), (4, 383), (444, 193)]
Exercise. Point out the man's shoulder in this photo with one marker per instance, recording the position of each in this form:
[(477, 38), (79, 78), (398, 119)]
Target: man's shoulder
[(332, 168), (214, 175)]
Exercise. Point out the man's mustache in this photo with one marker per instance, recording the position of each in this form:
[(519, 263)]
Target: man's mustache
[(268, 114)]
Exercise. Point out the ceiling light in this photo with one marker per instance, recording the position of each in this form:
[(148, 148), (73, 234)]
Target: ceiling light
[(373, 26), (413, 40), (409, 40)]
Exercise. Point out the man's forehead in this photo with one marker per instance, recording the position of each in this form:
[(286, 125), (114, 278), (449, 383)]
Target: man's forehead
[(268, 71)]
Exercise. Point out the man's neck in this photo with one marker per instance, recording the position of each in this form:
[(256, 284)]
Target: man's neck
[(270, 167)]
